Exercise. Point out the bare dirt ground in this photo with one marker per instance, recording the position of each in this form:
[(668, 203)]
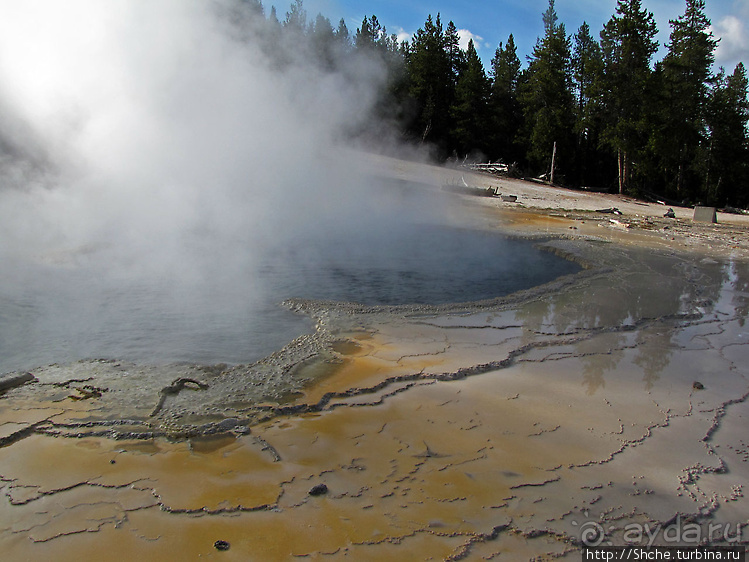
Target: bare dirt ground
[(539, 209)]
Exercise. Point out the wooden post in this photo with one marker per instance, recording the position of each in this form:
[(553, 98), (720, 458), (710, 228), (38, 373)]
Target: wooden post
[(553, 157)]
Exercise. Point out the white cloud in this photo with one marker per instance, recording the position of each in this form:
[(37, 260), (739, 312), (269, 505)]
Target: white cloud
[(403, 35), (734, 44), (465, 36)]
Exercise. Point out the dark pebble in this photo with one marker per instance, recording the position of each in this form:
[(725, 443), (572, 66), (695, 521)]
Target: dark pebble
[(221, 545), (318, 490), (112, 461), (698, 385)]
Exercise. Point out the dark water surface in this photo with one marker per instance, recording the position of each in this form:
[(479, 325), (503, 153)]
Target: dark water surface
[(60, 312)]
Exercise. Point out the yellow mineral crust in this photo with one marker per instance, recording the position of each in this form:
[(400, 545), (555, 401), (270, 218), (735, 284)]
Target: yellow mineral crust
[(440, 469)]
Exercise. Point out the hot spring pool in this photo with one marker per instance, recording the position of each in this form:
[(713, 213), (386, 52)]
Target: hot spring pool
[(57, 313)]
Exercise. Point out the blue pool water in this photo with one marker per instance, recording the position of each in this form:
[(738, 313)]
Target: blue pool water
[(52, 312)]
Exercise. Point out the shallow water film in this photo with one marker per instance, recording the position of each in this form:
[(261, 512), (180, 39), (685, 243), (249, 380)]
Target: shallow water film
[(609, 407), (71, 307)]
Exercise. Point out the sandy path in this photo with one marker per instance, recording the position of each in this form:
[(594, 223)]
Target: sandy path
[(541, 209), (533, 195)]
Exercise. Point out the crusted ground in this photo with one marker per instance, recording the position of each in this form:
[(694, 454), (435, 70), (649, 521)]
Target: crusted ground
[(603, 404)]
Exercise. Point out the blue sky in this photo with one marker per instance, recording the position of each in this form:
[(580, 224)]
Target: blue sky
[(490, 22)]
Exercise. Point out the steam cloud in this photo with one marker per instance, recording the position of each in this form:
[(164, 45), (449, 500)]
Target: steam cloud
[(157, 131)]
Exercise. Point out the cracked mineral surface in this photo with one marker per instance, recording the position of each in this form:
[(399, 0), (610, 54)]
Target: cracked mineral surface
[(609, 406)]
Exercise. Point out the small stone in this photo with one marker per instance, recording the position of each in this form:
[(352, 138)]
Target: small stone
[(12, 380), (112, 461), (221, 545), (696, 385), (319, 490)]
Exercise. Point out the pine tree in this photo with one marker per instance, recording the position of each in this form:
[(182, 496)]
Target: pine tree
[(342, 34), (373, 43), (368, 35), (506, 68), (323, 43), (470, 111), (686, 79), (628, 43), (505, 108), (587, 70), (254, 7), (550, 19), (430, 84), (273, 17), (296, 17), (587, 76), (455, 54), (246, 19), (241, 11), (727, 170), (547, 96)]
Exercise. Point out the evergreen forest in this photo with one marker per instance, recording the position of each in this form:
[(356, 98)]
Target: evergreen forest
[(618, 120)]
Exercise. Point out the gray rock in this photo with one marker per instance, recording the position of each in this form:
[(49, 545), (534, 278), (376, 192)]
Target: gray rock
[(705, 214), (319, 490), (12, 380)]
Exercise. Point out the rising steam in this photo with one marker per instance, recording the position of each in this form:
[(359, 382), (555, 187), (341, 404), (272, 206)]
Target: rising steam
[(161, 164), (166, 136)]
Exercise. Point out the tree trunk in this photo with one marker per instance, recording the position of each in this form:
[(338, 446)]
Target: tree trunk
[(623, 171), (620, 159), (427, 130), (680, 175), (553, 163), (710, 193)]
